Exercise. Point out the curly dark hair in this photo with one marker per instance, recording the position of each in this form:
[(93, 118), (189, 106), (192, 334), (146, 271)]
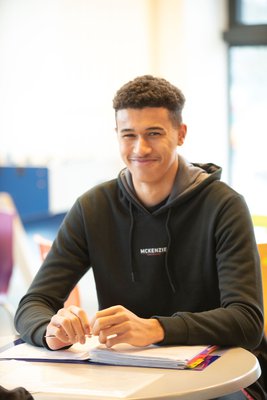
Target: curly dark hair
[(149, 91)]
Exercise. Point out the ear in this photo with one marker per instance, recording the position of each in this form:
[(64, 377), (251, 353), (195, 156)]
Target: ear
[(182, 134)]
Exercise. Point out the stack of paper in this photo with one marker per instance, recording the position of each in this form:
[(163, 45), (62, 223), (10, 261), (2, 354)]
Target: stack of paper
[(177, 357)]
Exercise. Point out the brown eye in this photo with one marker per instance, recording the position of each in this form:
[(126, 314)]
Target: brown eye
[(154, 133), (128, 136)]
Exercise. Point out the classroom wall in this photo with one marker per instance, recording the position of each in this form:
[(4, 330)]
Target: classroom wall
[(63, 60)]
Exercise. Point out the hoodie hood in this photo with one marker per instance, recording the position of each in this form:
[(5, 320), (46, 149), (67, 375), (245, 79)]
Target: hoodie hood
[(189, 180)]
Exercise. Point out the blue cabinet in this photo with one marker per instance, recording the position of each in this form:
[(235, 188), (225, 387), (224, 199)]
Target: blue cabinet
[(29, 189)]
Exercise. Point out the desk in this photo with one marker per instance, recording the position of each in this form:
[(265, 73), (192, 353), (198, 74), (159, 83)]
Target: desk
[(235, 369)]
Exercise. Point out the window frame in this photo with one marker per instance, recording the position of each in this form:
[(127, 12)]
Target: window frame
[(239, 34)]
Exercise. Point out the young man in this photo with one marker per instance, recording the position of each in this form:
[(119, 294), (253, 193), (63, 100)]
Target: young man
[(172, 248)]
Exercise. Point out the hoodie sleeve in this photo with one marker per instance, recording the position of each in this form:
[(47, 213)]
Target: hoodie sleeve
[(239, 319), (65, 264)]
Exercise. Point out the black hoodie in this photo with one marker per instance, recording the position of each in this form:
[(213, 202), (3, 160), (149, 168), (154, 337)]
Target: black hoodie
[(191, 262)]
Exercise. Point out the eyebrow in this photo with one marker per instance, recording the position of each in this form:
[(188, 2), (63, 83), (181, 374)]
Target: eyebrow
[(150, 128), (127, 130)]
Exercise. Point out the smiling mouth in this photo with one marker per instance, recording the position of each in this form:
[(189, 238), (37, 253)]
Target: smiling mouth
[(143, 160)]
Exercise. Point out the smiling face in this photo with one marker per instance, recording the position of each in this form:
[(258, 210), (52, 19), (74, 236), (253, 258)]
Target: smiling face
[(148, 142)]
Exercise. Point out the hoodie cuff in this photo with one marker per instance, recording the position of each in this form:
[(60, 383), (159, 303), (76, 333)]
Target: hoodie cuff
[(175, 330)]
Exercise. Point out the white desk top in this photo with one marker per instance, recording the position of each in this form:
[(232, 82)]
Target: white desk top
[(235, 369)]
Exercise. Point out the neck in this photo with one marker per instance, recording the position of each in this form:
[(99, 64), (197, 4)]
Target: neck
[(151, 194)]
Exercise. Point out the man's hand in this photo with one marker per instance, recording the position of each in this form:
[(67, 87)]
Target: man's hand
[(118, 325), (67, 326)]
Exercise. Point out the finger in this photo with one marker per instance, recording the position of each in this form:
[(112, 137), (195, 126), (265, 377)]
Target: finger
[(80, 323), (75, 323), (54, 343), (68, 324), (122, 330), (83, 317), (109, 311), (55, 337), (123, 333), (104, 323), (116, 339), (103, 337), (62, 328)]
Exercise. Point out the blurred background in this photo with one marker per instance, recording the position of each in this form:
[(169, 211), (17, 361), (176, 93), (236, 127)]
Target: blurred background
[(61, 62)]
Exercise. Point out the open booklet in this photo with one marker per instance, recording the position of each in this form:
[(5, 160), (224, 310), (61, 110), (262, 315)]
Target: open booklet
[(176, 357)]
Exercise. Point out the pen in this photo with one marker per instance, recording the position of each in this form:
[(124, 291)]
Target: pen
[(53, 336)]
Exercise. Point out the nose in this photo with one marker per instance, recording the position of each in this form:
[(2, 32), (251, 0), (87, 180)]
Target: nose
[(141, 146)]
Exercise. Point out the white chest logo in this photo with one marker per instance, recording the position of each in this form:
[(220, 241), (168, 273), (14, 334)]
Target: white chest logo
[(153, 251)]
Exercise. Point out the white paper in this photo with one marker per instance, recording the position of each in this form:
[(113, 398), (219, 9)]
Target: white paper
[(27, 351), (74, 380), (121, 354)]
